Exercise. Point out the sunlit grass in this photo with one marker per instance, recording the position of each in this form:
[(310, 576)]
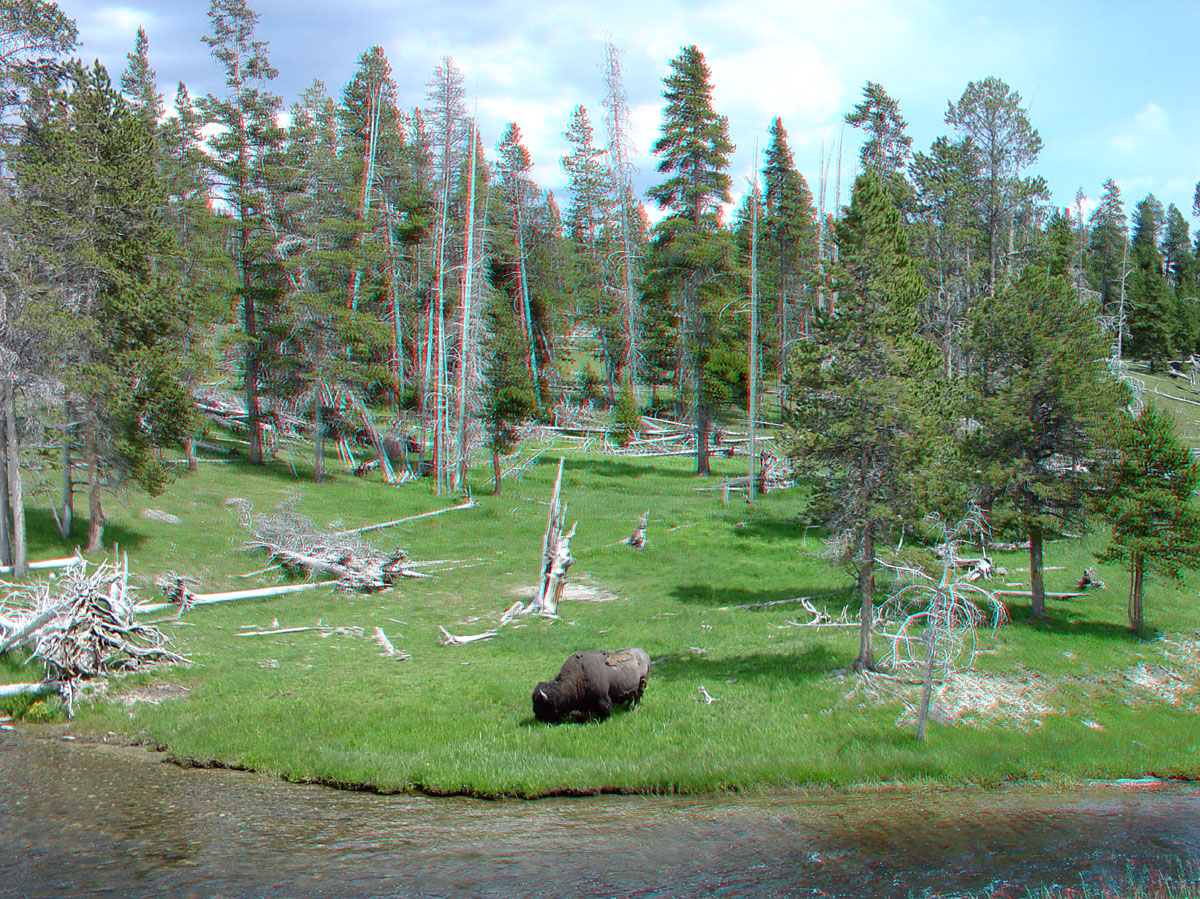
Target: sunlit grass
[(458, 719)]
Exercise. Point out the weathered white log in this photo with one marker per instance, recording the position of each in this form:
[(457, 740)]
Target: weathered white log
[(556, 578), (449, 639), (45, 564), (202, 599), (469, 504), (43, 688), (30, 627)]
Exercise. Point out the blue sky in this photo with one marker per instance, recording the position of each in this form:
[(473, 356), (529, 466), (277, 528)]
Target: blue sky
[(1111, 87)]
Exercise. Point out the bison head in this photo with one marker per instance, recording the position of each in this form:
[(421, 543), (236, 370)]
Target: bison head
[(545, 702)]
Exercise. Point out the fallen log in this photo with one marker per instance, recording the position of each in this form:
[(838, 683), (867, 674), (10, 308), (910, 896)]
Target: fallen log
[(182, 598), (1029, 593), (45, 564), (42, 688), (469, 504), (449, 639)]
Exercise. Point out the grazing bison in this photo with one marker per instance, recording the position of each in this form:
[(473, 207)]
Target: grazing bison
[(589, 683)]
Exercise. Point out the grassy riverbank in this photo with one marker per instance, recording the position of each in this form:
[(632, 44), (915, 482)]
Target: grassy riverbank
[(1086, 699)]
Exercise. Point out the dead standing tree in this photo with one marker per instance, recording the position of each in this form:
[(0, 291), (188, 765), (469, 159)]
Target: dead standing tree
[(949, 608), (556, 555)]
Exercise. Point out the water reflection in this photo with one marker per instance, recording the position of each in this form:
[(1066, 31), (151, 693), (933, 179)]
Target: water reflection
[(110, 821)]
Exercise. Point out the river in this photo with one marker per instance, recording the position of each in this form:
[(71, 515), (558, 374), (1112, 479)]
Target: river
[(99, 820)]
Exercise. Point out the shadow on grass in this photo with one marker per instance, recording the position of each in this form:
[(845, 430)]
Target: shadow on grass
[(1069, 618), (604, 468), (785, 667), (710, 595), (42, 532)]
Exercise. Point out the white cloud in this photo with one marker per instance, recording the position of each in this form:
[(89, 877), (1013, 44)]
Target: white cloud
[(1150, 123), (115, 23)]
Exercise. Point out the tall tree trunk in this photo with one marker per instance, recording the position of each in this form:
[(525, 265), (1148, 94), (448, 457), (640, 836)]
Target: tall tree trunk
[(496, 470), (927, 680), (6, 543), (95, 511), (67, 513), (1136, 567), (189, 452), (318, 442), (1037, 574), (16, 499), (866, 591), (701, 435)]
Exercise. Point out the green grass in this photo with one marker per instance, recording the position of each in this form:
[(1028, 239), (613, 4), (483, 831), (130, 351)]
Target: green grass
[(458, 719)]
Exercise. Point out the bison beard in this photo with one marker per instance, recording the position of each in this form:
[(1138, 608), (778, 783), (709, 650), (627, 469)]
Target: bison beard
[(589, 683)]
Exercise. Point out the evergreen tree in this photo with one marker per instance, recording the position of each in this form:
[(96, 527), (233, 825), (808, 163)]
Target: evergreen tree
[(1148, 489), (205, 271), (990, 113), (949, 241), (1039, 397), (87, 172), (34, 35), (1151, 310), (508, 390), (520, 195), (1108, 250), (789, 245), (693, 257), (138, 85), (887, 147), (244, 148), (857, 418)]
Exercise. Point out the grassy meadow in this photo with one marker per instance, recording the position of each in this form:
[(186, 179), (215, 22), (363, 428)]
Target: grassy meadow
[(1080, 697)]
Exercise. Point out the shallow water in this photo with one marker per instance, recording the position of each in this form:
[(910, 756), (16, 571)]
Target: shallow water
[(88, 820)]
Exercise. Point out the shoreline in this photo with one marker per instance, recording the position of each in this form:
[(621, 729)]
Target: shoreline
[(1150, 780)]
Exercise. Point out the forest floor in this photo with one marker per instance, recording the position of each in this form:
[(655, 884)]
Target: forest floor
[(1076, 698)]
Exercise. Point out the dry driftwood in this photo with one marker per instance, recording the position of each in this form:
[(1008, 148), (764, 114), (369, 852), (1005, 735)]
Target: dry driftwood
[(85, 627), (556, 555), (469, 504), (177, 589), (294, 541)]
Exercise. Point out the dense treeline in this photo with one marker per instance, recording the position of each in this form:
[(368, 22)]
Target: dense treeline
[(945, 334)]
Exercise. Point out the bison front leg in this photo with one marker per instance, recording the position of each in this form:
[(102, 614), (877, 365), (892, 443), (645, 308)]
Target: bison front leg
[(602, 707)]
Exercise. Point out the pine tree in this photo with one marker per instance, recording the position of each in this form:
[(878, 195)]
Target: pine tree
[(1041, 398), (887, 147), (330, 345), (856, 408), (1108, 250), (949, 241), (789, 232), (1148, 489), (34, 35), (1151, 311), (508, 390), (138, 85), (88, 171), (693, 256), (990, 112), (243, 150)]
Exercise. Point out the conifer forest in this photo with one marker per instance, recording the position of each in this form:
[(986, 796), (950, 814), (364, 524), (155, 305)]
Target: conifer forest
[(373, 271)]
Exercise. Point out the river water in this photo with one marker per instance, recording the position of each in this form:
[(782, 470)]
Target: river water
[(96, 820)]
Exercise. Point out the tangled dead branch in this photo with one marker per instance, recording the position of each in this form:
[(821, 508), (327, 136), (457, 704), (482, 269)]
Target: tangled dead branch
[(82, 627), (296, 543)]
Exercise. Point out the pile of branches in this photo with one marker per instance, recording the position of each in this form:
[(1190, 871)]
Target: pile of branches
[(295, 543), (82, 627)]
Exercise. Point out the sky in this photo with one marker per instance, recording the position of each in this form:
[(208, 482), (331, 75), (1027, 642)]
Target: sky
[(1110, 86)]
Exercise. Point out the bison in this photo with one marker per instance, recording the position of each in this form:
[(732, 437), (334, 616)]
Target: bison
[(589, 683)]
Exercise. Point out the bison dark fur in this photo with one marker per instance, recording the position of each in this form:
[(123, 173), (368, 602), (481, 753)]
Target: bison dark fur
[(589, 683)]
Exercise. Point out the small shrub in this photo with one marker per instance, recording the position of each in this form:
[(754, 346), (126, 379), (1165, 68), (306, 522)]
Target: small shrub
[(43, 711), (627, 420)]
